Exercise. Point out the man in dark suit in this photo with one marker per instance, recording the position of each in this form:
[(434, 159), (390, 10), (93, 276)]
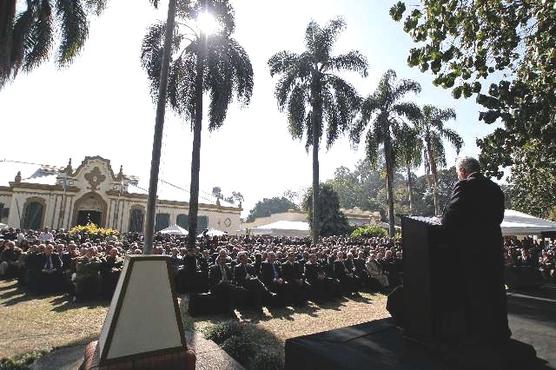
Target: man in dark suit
[(472, 221), (220, 277), (51, 272), (292, 273), (246, 277), (271, 276)]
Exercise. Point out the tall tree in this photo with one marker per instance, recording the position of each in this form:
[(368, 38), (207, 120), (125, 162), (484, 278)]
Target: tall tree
[(203, 62), (432, 133), (269, 206), (311, 91), (502, 52), (385, 114), (409, 153), (332, 220), (28, 32)]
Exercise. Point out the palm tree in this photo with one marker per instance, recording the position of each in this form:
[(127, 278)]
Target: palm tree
[(27, 36), (212, 63), (409, 153), (311, 92), (431, 131), (388, 114)]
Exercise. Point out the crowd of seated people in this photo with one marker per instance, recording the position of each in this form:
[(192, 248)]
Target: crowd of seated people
[(529, 261), (263, 270)]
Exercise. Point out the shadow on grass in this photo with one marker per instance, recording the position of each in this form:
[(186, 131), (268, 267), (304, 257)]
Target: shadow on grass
[(64, 303)]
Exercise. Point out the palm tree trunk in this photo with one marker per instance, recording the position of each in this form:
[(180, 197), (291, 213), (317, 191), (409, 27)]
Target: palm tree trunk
[(389, 183), (158, 128), (7, 15), (316, 117), (409, 186), (432, 164), (196, 152)]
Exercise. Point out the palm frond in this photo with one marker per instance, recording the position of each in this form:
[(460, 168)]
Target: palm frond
[(21, 30), (297, 112), (40, 38), (452, 137), (282, 61), (74, 29), (97, 6), (408, 110), (371, 147), (352, 61)]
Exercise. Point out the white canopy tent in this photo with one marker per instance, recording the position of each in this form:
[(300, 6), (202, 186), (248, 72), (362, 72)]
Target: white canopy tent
[(2, 226), (519, 223), (174, 230), (212, 232), (284, 228)]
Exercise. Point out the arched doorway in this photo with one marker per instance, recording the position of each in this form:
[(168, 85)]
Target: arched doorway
[(136, 219), (90, 208), (33, 213)]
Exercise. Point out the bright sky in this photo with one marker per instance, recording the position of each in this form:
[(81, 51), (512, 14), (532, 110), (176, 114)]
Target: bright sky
[(101, 105)]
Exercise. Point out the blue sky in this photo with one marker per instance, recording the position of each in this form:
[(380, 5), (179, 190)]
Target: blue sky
[(100, 105)]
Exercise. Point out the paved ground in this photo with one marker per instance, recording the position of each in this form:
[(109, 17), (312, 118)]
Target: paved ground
[(532, 317)]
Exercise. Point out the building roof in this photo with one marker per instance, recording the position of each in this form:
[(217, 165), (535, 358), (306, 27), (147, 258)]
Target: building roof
[(44, 174)]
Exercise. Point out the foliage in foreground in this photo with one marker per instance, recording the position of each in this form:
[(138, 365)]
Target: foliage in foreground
[(21, 362), (369, 231), (502, 52), (253, 347)]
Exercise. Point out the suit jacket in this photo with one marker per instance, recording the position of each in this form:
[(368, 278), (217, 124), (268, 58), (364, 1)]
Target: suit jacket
[(312, 271), (56, 261), (215, 274), (292, 271), (473, 216), (241, 271), (267, 275)]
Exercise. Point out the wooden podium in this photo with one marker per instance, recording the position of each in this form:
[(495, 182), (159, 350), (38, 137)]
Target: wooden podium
[(432, 282)]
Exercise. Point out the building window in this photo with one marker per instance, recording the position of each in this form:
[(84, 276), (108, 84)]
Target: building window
[(183, 221), (162, 221), (136, 219), (33, 215)]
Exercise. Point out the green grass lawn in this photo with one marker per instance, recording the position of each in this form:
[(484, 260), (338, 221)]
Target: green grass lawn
[(30, 323)]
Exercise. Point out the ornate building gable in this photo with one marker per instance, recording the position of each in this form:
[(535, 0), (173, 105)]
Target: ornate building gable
[(94, 174)]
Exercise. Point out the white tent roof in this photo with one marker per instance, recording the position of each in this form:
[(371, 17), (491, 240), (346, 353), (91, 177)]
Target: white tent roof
[(213, 232), (287, 228), (174, 230), (285, 225), (519, 223)]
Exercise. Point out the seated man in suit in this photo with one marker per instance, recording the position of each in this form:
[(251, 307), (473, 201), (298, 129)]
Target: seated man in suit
[(246, 277), (360, 269), (321, 287), (376, 273), (193, 275), (220, 279), (271, 276), (346, 277), (472, 221), (51, 272), (110, 269), (292, 273)]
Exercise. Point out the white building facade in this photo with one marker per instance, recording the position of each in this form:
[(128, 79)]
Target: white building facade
[(47, 196)]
